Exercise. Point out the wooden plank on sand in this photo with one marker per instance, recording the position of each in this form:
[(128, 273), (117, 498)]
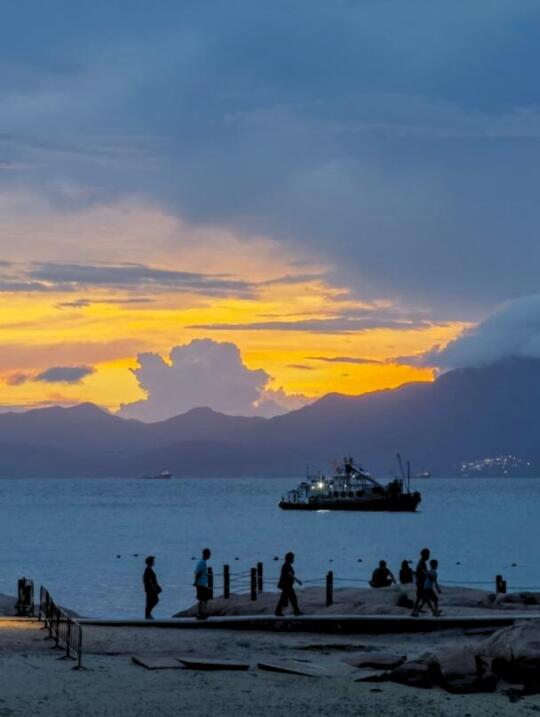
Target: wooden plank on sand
[(292, 667), (155, 662), (193, 663)]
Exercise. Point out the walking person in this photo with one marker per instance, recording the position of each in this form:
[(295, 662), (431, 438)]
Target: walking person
[(286, 583), (430, 586), (201, 584), (421, 569), (151, 587)]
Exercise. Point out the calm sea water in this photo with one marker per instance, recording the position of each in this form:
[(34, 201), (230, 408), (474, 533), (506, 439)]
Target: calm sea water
[(68, 535)]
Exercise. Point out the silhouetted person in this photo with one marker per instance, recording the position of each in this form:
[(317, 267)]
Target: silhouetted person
[(420, 576), (151, 587), (430, 585), (201, 584), (382, 577), (287, 579), (406, 575)]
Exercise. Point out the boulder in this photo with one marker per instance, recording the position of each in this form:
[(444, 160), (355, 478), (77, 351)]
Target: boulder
[(514, 654), (414, 674), (461, 671)]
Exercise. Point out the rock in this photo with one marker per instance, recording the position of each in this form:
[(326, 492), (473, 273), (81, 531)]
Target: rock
[(514, 654), (376, 660), (463, 672), (414, 674)]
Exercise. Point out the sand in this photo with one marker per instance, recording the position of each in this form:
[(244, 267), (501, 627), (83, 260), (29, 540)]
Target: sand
[(35, 682)]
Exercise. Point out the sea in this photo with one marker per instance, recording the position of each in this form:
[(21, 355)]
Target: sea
[(86, 539)]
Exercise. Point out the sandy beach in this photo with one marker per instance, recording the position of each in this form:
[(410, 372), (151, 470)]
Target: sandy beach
[(34, 681)]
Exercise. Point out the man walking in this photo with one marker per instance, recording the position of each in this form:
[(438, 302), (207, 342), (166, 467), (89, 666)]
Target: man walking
[(151, 587), (286, 585), (421, 570), (201, 584)]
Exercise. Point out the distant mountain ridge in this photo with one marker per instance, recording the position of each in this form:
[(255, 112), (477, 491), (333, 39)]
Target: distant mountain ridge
[(465, 415)]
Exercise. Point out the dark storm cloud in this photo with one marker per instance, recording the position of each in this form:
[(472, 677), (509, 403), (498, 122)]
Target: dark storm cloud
[(396, 141), (55, 374), (64, 374)]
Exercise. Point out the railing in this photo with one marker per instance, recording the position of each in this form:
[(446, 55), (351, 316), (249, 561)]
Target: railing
[(252, 581), (62, 628)]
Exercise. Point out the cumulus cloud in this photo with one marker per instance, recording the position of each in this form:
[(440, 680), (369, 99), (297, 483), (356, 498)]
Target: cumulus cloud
[(511, 331), (55, 374), (204, 373)]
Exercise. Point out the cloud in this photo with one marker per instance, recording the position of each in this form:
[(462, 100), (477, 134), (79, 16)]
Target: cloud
[(83, 303), (55, 374), (512, 330), (389, 139), (71, 276), (300, 366), (336, 325), (345, 359), (204, 373)]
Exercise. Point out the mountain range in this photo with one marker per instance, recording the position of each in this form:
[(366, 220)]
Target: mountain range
[(465, 415)]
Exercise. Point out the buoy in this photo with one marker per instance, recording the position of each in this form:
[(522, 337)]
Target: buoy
[(458, 562), (118, 556), (359, 560), (514, 565), (276, 557), (237, 558), (135, 555)]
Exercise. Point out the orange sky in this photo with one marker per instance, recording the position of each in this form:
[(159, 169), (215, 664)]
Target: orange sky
[(105, 326)]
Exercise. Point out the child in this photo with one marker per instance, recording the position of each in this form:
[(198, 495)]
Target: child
[(430, 586)]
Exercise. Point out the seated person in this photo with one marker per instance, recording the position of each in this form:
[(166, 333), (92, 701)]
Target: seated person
[(382, 576), (406, 575)]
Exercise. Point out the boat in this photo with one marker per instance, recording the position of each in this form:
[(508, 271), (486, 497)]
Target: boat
[(350, 487), (423, 474), (164, 475)]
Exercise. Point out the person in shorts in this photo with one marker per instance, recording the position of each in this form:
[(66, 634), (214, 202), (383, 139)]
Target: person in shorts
[(201, 584), (430, 586)]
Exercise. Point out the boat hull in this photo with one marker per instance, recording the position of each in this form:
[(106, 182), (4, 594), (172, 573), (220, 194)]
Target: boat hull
[(404, 504)]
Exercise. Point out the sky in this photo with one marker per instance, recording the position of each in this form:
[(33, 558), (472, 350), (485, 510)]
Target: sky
[(249, 205)]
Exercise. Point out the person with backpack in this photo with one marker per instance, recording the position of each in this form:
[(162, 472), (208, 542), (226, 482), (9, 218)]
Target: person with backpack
[(286, 583)]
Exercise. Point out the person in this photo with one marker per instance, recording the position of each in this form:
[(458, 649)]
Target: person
[(201, 584), (430, 585), (382, 576), (406, 575), (151, 587), (286, 583), (420, 576)]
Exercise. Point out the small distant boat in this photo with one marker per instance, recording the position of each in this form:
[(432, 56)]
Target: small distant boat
[(351, 488), (423, 474), (164, 475)]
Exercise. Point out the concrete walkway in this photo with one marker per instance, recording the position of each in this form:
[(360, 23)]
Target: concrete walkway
[(344, 624)]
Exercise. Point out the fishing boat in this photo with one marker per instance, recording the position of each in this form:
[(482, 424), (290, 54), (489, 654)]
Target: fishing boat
[(350, 487)]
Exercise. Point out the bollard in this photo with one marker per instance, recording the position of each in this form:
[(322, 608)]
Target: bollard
[(226, 582), (211, 583), (500, 584), (329, 588), (253, 573), (260, 581)]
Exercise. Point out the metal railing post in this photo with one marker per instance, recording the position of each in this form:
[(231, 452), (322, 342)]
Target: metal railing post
[(253, 575), (226, 582), (329, 588), (260, 580)]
